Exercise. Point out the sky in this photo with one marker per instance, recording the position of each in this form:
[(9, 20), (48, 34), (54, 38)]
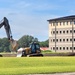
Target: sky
[(29, 17)]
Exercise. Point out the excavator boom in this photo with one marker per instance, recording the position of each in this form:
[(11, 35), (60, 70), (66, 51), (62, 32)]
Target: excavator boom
[(6, 25)]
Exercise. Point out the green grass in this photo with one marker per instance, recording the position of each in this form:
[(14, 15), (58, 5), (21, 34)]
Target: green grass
[(46, 51), (36, 65)]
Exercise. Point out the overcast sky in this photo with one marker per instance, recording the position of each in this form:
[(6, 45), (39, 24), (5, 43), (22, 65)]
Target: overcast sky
[(30, 16)]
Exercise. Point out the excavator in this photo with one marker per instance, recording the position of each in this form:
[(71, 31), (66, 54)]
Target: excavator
[(33, 50), (4, 22)]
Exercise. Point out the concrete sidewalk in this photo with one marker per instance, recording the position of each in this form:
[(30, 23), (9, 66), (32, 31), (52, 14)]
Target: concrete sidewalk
[(54, 74)]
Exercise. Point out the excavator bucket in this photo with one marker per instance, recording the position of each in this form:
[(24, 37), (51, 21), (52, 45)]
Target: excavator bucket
[(14, 44)]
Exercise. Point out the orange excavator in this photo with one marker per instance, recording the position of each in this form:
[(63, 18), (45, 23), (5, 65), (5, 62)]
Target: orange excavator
[(6, 25)]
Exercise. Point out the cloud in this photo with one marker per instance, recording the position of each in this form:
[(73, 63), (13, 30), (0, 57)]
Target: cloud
[(24, 20)]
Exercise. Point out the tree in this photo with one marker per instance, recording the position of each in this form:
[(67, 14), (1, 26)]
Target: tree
[(25, 40), (4, 45), (44, 43)]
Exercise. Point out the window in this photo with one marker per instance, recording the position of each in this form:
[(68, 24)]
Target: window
[(53, 40), (53, 32), (57, 40), (63, 48), (57, 48), (70, 39), (63, 23), (70, 48), (74, 22), (53, 48), (74, 39), (67, 31), (57, 32), (60, 23), (60, 40), (74, 31), (63, 39), (60, 48), (60, 32), (53, 24), (67, 22), (57, 23), (67, 40), (63, 31), (70, 31), (67, 48), (70, 22)]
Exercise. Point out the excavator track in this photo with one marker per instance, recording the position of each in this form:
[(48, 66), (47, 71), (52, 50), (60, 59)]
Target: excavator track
[(35, 55)]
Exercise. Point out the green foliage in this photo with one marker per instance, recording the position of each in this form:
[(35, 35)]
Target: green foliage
[(36, 65), (25, 40), (4, 45), (46, 51), (44, 43)]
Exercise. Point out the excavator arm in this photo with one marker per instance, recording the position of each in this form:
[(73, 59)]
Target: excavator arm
[(6, 25)]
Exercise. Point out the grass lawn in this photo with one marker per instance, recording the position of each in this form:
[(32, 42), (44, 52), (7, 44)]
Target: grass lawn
[(36, 65)]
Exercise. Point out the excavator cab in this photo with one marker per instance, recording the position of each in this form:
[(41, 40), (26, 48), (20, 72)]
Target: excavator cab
[(35, 48)]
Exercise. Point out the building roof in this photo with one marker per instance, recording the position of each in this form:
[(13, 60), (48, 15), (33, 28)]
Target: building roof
[(63, 18)]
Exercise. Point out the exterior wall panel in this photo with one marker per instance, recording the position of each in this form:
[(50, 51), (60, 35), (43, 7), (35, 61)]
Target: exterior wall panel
[(62, 35)]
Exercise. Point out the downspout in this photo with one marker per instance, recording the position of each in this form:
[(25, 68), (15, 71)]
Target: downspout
[(72, 36), (55, 36)]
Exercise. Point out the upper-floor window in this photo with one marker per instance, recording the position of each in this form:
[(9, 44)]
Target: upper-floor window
[(53, 48), (60, 48), (70, 48), (67, 23), (63, 39), (67, 31), (70, 31), (53, 23), (74, 39), (56, 23), (74, 22), (57, 48), (60, 32), (60, 40), (70, 22), (66, 39), (63, 23), (74, 31), (63, 48), (63, 31), (57, 32), (53, 32), (60, 23), (70, 39), (53, 40), (57, 40), (74, 48), (67, 48)]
